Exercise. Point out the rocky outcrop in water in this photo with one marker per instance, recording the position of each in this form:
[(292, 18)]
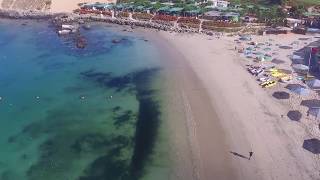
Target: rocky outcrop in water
[(81, 42), (61, 18), (26, 14)]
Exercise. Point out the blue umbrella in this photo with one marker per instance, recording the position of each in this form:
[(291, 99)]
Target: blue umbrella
[(301, 91), (315, 112), (314, 84), (300, 68)]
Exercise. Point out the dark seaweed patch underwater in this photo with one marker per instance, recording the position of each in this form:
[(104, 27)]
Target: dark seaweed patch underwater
[(78, 114), (73, 137), (146, 125)]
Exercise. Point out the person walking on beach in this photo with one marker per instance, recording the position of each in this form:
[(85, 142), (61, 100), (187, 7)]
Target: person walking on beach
[(250, 154)]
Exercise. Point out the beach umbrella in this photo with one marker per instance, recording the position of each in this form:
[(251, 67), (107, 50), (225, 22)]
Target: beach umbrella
[(311, 103), (300, 91), (315, 112), (267, 49), (294, 86), (258, 53), (314, 84), (249, 48), (300, 68), (277, 61), (245, 38), (281, 95), (297, 59), (294, 115), (303, 39), (285, 71), (268, 58), (285, 47), (312, 145)]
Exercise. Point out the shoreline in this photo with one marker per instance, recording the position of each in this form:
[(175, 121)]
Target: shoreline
[(191, 113)]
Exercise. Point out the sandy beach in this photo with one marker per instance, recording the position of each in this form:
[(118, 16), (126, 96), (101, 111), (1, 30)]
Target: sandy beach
[(57, 6), (70, 5), (229, 115)]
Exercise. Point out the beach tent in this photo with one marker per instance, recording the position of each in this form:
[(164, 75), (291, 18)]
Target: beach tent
[(314, 84), (300, 68), (315, 112)]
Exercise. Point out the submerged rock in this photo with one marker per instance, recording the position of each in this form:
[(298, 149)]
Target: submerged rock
[(116, 41), (81, 42)]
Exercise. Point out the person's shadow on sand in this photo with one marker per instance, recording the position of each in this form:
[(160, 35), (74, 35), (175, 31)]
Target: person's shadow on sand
[(239, 155)]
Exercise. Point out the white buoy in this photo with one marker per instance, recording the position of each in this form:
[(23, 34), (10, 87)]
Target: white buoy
[(82, 97), (110, 97), (37, 97), (0, 98)]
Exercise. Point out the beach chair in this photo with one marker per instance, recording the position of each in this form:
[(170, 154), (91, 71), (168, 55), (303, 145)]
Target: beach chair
[(268, 84)]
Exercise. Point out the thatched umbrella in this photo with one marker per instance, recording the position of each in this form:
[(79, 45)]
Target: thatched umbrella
[(294, 115), (312, 145), (281, 95)]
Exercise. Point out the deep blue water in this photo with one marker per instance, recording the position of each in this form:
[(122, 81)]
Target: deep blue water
[(69, 113)]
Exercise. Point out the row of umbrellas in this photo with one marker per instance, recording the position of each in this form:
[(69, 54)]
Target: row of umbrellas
[(311, 145), (313, 104)]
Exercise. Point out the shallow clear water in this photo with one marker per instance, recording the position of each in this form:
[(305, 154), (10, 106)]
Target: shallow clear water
[(67, 113)]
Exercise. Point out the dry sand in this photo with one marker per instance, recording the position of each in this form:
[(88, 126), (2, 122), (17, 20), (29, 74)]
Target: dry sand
[(227, 111), (70, 5), (56, 5)]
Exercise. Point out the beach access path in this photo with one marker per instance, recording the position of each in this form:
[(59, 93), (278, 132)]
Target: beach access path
[(251, 120)]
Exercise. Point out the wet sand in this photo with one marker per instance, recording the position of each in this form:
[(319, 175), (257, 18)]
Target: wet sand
[(200, 144)]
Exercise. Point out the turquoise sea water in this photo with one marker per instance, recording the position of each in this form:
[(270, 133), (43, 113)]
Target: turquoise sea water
[(70, 114)]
